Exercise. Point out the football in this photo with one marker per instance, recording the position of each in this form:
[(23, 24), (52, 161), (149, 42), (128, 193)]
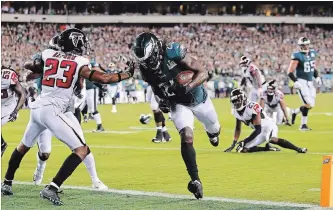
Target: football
[(184, 77)]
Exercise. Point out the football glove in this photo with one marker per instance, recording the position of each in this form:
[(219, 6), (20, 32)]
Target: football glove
[(231, 147), (297, 85), (12, 116), (287, 123), (164, 106), (240, 146), (130, 69)]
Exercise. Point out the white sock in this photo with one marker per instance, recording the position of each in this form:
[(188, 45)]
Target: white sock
[(89, 162), (159, 127), (297, 111), (169, 114), (98, 118), (304, 120), (40, 163), (164, 129)]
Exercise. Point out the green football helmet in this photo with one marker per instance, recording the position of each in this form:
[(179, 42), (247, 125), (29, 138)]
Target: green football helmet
[(148, 51)]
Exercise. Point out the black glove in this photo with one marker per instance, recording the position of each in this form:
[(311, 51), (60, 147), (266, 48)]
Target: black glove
[(12, 116), (240, 146), (164, 106), (130, 69), (179, 89), (287, 123), (231, 147)]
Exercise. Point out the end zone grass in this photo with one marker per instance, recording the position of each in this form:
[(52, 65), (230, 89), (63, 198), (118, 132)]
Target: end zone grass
[(126, 159)]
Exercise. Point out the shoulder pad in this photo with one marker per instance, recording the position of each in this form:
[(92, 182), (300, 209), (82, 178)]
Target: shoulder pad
[(295, 56), (175, 51), (254, 108), (313, 53)]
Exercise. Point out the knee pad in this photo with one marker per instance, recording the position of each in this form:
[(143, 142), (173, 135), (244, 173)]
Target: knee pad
[(96, 112), (43, 156), (158, 117), (186, 135), (305, 111)]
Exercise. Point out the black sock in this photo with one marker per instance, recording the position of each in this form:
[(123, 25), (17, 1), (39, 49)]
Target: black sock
[(77, 114), (85, 110), (163, 121), (67, 168), (158, 117), (257, 149), (189, 157), (305, 111), (13, 165), (285, 144), (113, 101), (2, 140)]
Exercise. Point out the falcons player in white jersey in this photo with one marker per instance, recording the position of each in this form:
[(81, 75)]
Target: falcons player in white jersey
[(265, 130), (10, 87), (60, 70), (272, 100), (254, 76)]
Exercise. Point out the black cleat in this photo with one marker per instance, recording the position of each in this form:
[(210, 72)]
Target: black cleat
[(270, 148), (51, 194), (99, 128), (293, 117), (3, 148), (166, 136), (85, 118), (302, 150), (304, 127), (6, 189), (196, 188), (214, 141), (159, 137)]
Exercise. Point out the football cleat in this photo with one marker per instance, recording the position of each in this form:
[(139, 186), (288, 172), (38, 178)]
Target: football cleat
[(85, 118), (51, 194), (304, 127), (6, 189), (166, 136), (196, 188), (214, 141), (270, 148), (240, 146), (99, 185), (3, 148), (302, 150), (293, 117), (159, 137), (99, 129)]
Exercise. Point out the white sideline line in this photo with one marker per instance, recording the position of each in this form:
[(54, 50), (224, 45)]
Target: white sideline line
[(167, 195), (169, 148)]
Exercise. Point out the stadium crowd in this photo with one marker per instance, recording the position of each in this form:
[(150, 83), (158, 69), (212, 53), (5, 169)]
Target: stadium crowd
[(217, 47)]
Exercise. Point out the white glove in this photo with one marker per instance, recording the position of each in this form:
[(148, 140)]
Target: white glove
[(297, 85), (318, 81)]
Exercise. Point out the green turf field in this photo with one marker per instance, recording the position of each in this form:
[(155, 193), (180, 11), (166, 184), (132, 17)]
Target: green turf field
[(127, 160)]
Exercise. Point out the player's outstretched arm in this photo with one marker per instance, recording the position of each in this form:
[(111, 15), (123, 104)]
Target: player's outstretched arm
[(20, 92), (284, 109), (236, 136), (36, 70), (105, 78), (200, 73)]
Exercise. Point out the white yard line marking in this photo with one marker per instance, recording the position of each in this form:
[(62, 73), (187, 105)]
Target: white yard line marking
[(169, 148), (167, 195)]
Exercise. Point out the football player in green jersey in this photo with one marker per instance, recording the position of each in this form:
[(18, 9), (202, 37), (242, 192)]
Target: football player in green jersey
[(303, 61), (160, 62)]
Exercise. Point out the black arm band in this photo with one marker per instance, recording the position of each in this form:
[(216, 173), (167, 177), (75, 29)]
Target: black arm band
[(254, 134), (119, 77), (315, 73), (292, 76), (91, 74)]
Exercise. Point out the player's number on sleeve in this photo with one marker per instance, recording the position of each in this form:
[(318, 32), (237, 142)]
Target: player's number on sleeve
[(309, 66), (69, 68)]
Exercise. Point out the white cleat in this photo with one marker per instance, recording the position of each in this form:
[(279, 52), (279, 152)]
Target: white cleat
[(38, 175), (99, 185)]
